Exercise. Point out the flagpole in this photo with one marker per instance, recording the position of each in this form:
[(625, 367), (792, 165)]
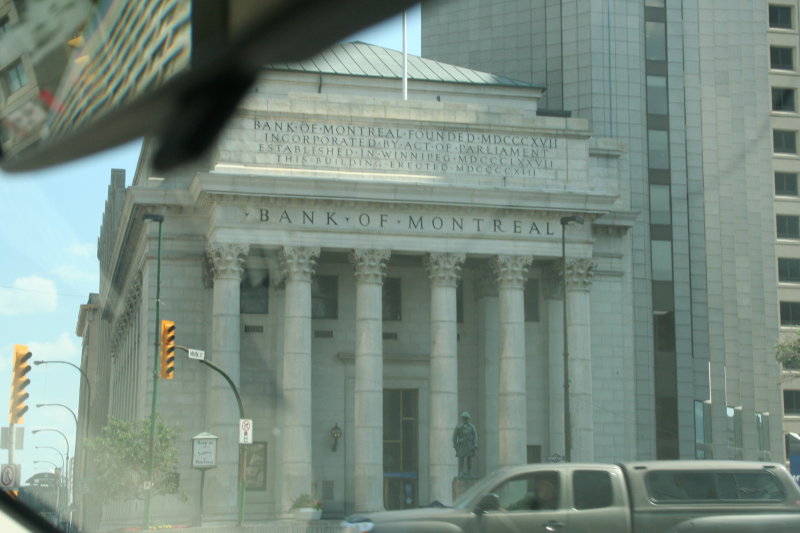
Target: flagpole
[(405, 58)]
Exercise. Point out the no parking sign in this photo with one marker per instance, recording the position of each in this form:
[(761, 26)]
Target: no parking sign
[(245, 431)]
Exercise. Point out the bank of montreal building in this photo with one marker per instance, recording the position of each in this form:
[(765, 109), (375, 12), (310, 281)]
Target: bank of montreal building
[(361, 262)]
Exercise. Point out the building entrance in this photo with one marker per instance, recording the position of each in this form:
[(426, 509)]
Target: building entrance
[(400, 448)]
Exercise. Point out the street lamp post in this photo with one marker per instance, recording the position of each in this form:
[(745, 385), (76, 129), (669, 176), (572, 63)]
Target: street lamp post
[(66, 441), (74, 417), (150, 459), (83, 375), (58, 488), (566, 221)]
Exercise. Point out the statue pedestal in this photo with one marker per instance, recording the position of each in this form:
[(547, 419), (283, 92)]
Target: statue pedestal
[(461, 484)]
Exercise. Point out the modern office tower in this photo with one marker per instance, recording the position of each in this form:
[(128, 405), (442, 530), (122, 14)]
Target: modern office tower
[(784, 83), (685, 85)]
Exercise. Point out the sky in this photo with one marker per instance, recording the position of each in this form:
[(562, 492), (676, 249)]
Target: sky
[(49, 225)]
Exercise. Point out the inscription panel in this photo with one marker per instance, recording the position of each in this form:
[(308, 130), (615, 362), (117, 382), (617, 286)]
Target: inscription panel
[(453, 223), (328, 145)]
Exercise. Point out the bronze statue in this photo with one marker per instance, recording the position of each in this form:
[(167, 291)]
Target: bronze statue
[(465, 442)]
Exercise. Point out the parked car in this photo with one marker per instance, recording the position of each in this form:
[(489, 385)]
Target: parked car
[(651, 497)]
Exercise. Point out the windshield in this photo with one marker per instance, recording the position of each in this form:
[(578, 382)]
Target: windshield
[(548, 232)]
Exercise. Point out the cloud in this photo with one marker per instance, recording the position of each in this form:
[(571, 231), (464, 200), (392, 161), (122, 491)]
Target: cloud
[(64, 347), (82, 250), (73, 273), (28, 296)]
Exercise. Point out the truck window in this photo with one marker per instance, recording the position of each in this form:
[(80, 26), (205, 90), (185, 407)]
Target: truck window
[(762, 486), (530, 492), (591, 489), (702, 487)]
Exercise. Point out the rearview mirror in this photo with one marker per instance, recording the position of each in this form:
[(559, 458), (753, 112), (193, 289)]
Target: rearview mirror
[(79, 76)]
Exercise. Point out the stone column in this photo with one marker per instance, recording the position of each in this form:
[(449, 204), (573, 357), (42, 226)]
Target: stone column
[(579, 282), (443, 270), (555, 359), (511, 271), (226, 262), (370, 269), (488, 334), (298, 266)]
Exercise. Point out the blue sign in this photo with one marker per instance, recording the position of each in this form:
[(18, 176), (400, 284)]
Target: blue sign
[(794, 466)]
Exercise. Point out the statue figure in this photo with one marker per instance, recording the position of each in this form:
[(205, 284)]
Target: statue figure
[(465, 442)]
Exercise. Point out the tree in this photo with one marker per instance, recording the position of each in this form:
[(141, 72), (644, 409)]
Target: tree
[(118, 459), (787, 353)]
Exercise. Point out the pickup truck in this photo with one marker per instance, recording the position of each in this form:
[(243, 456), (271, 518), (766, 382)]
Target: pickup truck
[(636, 497)]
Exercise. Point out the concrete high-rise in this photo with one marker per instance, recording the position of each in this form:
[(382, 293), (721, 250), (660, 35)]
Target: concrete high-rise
[(685, 84)]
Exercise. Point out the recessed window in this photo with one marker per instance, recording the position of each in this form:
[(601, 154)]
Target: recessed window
[(784, 141), (788, 226), (658, 149), (790, 313), (781, 58), (254, 292), (391, 299), (660, 205), (664, 331), (532, 300), (661, 254), (324, 297), (13, 78), (791, 402), (780, 17), (655, 45), (657, 95), (782, 99), (786, 184), (788, 269)]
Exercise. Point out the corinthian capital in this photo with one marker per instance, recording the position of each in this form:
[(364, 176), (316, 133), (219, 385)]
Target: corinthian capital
[(579, 274), (444, 268), (370, 264), (227, 260), (511, 270), (298, 262)]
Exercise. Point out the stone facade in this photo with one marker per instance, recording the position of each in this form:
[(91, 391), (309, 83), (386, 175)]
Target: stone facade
[(380, 265)]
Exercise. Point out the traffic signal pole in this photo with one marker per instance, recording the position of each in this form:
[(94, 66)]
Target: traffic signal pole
[(242, 448), (156, 372)]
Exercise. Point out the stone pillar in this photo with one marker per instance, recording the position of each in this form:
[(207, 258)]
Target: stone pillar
[(226, 262), (579, 282), (511, 271), (489, 339), (555, 360), (370, 269), (443, 270), (298, 266)]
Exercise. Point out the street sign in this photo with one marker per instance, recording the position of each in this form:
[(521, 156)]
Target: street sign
[(9, 477), (197, 354), (245, 431), (19, 432)]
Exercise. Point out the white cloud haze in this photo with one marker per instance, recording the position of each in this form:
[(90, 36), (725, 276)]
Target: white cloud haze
[(28, 296)]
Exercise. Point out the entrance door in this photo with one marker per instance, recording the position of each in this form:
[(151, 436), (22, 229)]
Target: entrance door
[(400, 448)]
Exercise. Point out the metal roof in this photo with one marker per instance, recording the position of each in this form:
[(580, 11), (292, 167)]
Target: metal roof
[(362, 59)]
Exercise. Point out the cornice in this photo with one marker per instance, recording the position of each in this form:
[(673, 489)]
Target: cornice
[(209, 190)]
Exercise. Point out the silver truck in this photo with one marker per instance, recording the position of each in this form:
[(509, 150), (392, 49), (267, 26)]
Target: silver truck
[(636, 497)]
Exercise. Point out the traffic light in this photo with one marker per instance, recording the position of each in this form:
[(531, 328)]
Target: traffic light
[(19, 382), (167, 349)]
